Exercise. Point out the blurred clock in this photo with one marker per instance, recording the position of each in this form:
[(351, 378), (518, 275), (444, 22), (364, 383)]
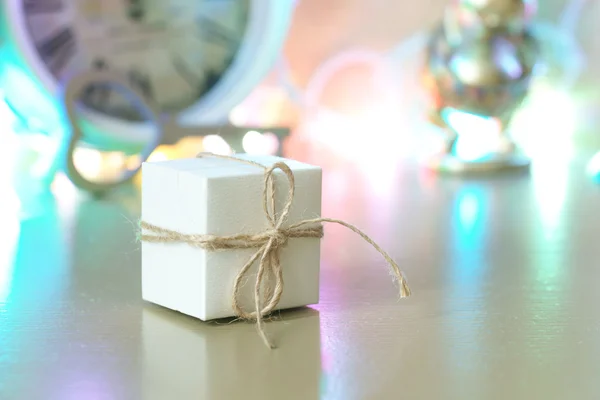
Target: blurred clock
[(195, 60)]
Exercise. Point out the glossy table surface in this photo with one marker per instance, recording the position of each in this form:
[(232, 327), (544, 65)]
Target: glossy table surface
[(504, 272)]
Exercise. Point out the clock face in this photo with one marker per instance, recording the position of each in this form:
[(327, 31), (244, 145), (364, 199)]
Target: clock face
[(173, 51)]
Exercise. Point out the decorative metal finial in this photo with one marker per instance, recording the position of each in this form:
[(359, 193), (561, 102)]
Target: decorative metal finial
[(479, 65)]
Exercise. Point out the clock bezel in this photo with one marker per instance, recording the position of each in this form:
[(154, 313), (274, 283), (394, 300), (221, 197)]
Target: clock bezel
[(268, 21)]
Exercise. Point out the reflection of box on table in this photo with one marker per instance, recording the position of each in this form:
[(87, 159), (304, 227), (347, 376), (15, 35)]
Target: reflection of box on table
[(184, 359), (223, 197)]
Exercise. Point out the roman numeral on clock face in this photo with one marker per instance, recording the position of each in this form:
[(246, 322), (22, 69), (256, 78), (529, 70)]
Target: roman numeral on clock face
[(42, 6), (57, 49)]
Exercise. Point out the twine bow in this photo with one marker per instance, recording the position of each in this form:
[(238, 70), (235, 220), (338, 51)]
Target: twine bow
[(268, 244)]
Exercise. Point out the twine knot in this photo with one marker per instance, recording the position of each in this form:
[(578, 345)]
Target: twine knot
[(268, 287), (278, 237)]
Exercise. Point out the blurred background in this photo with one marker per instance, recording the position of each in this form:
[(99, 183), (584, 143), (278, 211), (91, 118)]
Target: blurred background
[(347, 87)]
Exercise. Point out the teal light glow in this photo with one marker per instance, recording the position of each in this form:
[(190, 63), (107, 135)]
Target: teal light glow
[(8, 246), (469, 211), (594, 167), (466, 324), (468, 221), (7, 117), (41, 106), (29, 158), (477, 135)]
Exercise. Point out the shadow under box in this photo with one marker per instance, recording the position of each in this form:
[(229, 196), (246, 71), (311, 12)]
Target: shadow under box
[(185, 358)]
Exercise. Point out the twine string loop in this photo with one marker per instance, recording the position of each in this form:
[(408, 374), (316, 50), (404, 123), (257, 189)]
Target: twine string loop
[(268, 287)]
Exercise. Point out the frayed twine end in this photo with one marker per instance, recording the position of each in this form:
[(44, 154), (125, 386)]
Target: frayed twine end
[(404, 290)]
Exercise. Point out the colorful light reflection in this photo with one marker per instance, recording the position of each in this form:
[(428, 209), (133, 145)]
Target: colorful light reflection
[(28, 163), (9, 238), (549, 276), (466, 297), (469, 212), (469, 218), (550, 186)]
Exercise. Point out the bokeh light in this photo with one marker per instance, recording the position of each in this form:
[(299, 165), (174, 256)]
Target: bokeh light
[(157, 156), (593, 167), (216, 144), (260, 144), (88, 161), (477, 135), (546, 124)]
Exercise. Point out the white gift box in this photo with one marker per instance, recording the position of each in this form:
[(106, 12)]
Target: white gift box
[(223, 197)]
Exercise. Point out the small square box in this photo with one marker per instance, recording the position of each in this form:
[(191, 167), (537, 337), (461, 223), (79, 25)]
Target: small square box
[(223, 197)]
